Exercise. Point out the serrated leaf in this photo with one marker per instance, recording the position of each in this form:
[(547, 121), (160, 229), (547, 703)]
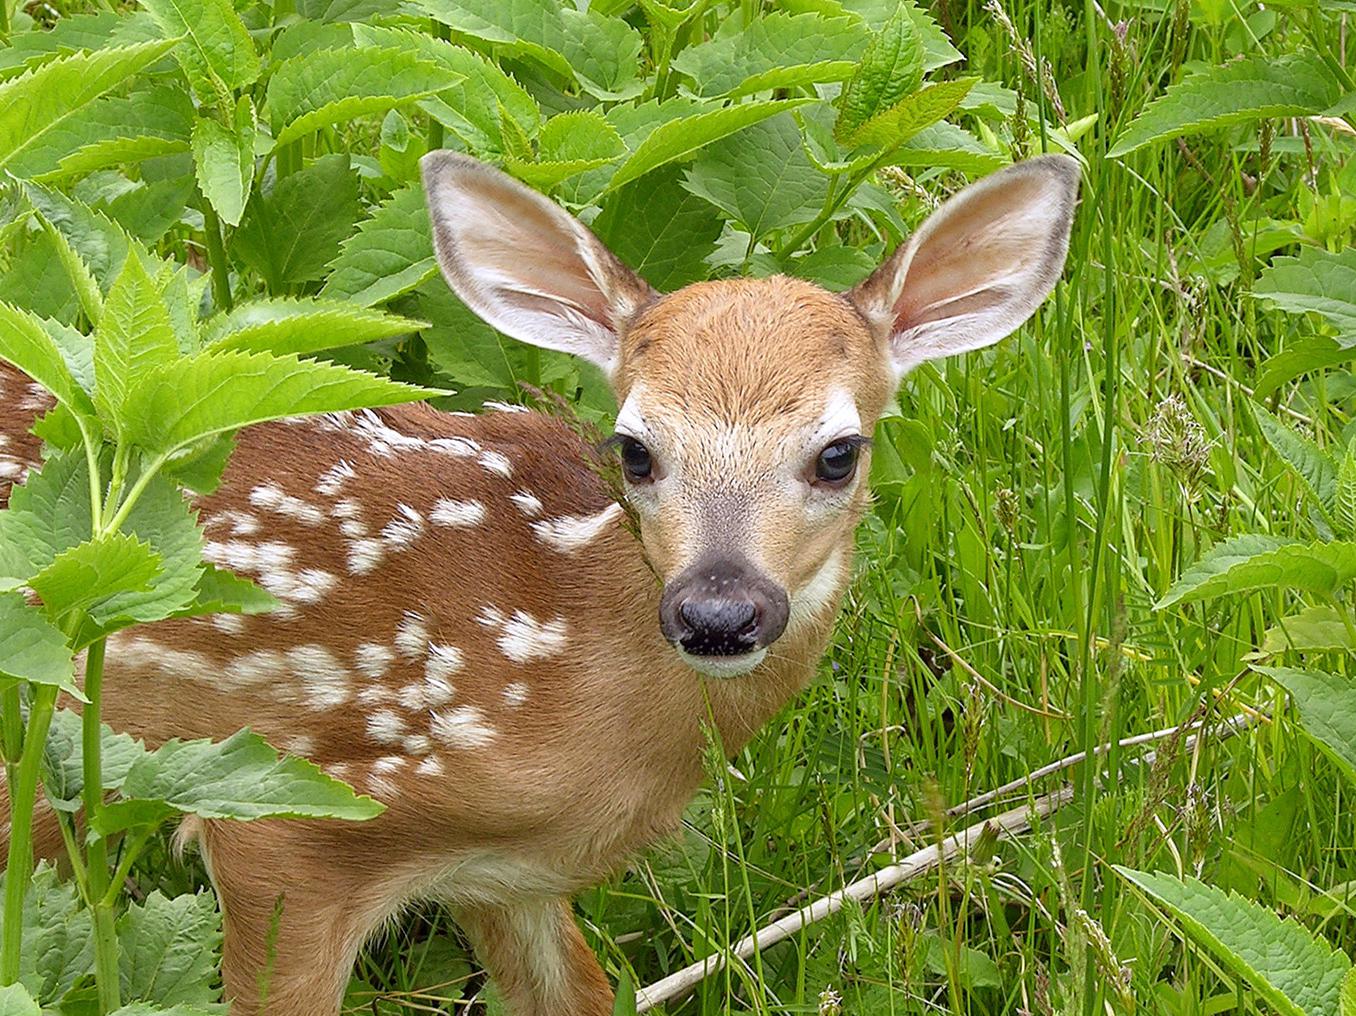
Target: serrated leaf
[(134, 335), (101, 243), (1348, 996), (110, 131), (1344, 494), (569, 144), (169, 949), (220, 592), (83, 576), (240, 778), (216, 51), (333, 86), (944, 145), (1302, 357), (604, 53), (72, 33), (760, 177), (58, 938), (16, 1001), (526, 28), (923, 108), (663, 231), (50, 512), (32, 648), (1316, 281), (1246, 563), (44, 98), (390, 254), (1313, 629), (63, 771), (291, 232), (1292, 969), (1310, 463), (82, 280), (218, 391), (223, 158), (25, 343), (302, 326), (890, 69), (777, 50), (677, 139), (1327, 708), (1252, 88)]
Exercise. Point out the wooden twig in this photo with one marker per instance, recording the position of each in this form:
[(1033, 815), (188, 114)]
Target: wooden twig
[(1008, 824)]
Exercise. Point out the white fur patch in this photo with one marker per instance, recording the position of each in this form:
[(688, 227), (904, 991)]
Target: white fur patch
[(411, 636), (431, 766), (528, 503), (263, 666), (385, 727), (571, 533), (464, 727), (229, 624), (496, 463), (455, 514), (522, 637), (373, 660), (443, 661), (515, 694), (241, 523), (324, 679), (820, 593), (417, 745), (404, 529), (333, 479), (364, 556), (503, 407), (299, 745), (272, 497)]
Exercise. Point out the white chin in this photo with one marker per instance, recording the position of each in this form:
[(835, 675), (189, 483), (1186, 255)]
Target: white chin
[(724, 666)]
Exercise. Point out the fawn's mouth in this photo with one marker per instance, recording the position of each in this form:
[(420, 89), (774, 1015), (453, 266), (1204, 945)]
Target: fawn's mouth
[(723, 667)]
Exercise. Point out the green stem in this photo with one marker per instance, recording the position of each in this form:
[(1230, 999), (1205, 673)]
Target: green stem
[(23, 793), (134, 495), (11, 726), (106, 958), (832, 202), (216, 255)]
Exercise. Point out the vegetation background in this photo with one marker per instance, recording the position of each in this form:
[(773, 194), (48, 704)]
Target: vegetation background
[(1135, 516)]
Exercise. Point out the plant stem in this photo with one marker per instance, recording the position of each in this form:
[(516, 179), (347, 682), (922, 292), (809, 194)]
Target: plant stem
[(148, 473), (23, 792), (216, 255)]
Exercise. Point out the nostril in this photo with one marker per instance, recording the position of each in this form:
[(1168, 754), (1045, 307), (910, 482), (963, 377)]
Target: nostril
[(719, 627)]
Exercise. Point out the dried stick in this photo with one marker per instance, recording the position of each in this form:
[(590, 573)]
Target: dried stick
[(1008, 824)]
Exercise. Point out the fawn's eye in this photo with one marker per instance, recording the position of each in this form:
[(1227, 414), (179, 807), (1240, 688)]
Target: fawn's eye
[(837, 462), (636, 460)]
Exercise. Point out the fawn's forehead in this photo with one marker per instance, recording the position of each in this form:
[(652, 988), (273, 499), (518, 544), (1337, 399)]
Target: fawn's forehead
[(754, 351)]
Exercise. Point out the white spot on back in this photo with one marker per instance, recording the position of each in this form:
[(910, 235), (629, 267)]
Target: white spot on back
[(385, 727), (333, 479), (230, 624), (272, 497), (241, 523), (443, 661), (373, 660), (324, 679), (299, 745), (453, 514), (455, 447), (515, 694), (411, 636), (528, 503), (571, 533), (522, 637), (463, 727), (431, 766), (364, 556), (496, 463), (503, 407), (404, 529)]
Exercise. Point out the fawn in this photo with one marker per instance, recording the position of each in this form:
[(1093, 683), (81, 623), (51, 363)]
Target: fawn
[(472, 633)]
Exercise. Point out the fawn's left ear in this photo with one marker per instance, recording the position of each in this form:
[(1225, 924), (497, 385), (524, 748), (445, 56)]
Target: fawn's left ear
[(978, 267), (526, 266)]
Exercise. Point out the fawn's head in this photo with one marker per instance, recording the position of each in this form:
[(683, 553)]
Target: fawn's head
[(747, 405)]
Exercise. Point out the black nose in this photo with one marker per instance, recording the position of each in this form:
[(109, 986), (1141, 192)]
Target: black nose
[(717, 626)]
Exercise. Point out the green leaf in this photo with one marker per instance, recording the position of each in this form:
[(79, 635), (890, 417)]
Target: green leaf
[(218, 391), (777, 50), (663, 231), (16, 1001), (169, 949), (1302, 357), (1252, 88), (1327, 708), (101, 243), (678, 139), (1290, 968), (604, 53), (1316, 281), (58, 938), (223, 158), (1344, 495), (240, 778), (216, 51), (946, 146), (133, 337), (302, 326), (903, 120), (82, 280), (760, 177), (1313, 629), (1310, 463), (111, 131), (1245, 563), (43, 99), (525, 28), (335, 86), (220, 592), (569, 144), (86, 574), (890, 69), (290, 233), (1348, 997), (390, 254), (74, 32), (32, 648), (51, 511), (25, 343), (63, 777)]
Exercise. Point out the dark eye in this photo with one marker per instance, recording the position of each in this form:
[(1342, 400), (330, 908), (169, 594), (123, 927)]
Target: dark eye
[(636, 461), (837, 462)]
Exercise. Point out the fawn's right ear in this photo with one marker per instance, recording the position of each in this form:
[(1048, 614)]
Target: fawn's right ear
[(526, 266)]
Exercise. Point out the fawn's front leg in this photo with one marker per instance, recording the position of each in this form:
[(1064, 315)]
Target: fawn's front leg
[(533, 951)]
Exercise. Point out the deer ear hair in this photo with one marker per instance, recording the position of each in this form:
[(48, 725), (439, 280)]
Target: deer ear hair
[(978, 267), (524, 265)]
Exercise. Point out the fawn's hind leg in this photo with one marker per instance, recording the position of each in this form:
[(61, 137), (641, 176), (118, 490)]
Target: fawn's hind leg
[(533, 951)]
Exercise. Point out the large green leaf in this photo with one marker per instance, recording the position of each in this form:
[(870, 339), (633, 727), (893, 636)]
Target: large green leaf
[(661, 230), (1294, 84), (302, 326), (1317, 281), (134, 336), (109, 131), (890, 69), (390, 254), (604, 53), (32, 648), (1244, 563), (291, 232), (100, 242), (946, 146), (43, 99), (1311, 464), (1313, 629), (241, 778), (26, 344), (777, 50), (224, 160), (218, 391), (1327, 708), (334, 86), (221, 592), (169, 949), (86, 574), (528, 28), (63, 770), (50, 513), (58, 940), (216, 51), (923, 108), (16, 1001), (569, 144), (72, 33), (760, 177), (1294, 971), (678, 139)]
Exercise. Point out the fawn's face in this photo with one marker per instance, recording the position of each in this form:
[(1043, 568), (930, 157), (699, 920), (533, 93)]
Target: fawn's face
[(747, 405)]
